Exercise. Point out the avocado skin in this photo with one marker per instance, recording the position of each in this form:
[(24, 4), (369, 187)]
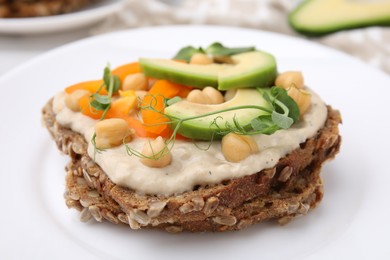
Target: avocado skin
[(331, 28), (264, 79), (194, 132)]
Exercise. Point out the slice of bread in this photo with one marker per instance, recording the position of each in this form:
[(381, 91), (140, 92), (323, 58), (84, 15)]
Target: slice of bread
[(33, 8), (289, 189)]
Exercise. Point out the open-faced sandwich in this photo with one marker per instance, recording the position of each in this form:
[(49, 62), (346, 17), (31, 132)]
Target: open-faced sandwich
[(32, 8), (214, 139)]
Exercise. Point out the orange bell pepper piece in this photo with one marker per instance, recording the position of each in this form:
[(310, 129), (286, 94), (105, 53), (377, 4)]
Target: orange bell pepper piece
[(91, 86), (154, 120), (127, 69), (87, 109)]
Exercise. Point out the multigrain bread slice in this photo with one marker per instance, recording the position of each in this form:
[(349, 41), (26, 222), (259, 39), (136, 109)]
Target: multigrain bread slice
[(32, 8), (287, 190), (282, 206)]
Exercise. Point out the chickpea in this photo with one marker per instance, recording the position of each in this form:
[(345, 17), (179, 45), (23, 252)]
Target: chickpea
[(200, 59), (197, 96), (208, 95), (137, 81), (301, 97), (159, 154), (236, 147), (112, 132), (72, 99), (290, 78), (215, 96)]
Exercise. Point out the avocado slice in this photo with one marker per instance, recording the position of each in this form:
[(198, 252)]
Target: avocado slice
[(203, 128), (319, 17), (251, 69)]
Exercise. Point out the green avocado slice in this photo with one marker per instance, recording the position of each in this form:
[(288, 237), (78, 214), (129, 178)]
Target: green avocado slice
[(251, 69), (319, 17), (203, 128)]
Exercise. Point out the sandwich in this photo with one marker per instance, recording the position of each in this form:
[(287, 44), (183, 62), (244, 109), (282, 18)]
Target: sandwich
[(214, 139)]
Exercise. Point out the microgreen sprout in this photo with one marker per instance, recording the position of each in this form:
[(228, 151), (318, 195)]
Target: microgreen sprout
[(100, 102), (215, 49)]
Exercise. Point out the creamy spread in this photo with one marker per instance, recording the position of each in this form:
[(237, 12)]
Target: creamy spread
[(190, 165)]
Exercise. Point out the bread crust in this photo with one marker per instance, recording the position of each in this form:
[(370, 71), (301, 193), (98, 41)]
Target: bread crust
[(289, 189)]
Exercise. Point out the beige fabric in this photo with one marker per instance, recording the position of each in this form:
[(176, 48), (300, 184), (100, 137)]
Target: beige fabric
[(371, 44)]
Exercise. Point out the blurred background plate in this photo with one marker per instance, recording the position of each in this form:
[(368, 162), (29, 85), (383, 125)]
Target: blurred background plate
[(86, 16)]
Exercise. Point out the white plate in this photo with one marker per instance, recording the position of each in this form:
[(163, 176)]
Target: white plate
[(352, 222), (56, 23)]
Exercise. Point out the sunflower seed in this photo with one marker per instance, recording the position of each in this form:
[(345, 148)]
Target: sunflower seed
[(96, 183), (73, 195), (304, 208), (85, 215), (174, 229), (186, 208), (311, 199), (87, 178), (284, 220), (197, 203), (95, 212), (123, 218), (78, 148), (155, 208), (81, 181), (225, 220), (110, 217), (285, 173), (211, 205), (73, 204), (140, 216), (85, 202), (244, 223), (132, 223), (292, 207), (93, 194)]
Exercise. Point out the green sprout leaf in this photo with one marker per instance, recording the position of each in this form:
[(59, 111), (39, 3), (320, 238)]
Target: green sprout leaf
[(281, 120), (281, 95), (107, 76), (117, 84), (99, 106), (217, 49), (264, 124), (187, 52), (105, 100)]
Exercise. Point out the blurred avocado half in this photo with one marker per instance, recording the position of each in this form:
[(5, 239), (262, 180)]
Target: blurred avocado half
[(320, 17)]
